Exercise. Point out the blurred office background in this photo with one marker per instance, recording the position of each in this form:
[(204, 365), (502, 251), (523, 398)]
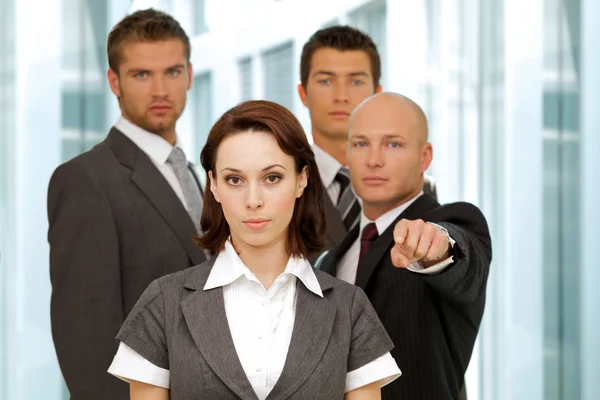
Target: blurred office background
[(512, 90)]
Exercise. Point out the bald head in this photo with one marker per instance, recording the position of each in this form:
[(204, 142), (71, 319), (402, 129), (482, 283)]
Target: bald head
[(388, 152), (395, 110)]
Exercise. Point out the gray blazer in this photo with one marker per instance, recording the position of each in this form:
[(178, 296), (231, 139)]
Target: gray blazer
[(115, 225), (179, 326)]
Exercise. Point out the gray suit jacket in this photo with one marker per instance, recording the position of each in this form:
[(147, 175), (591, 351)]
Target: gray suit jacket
[(179, 326), (115, 226)]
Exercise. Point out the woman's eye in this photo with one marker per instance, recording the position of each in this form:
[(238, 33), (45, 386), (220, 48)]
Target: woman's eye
[(233, 180), (273, 178)]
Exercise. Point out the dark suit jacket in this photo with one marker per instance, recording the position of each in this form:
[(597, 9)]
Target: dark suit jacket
[(433, 320), (179, 326), (115, 226)]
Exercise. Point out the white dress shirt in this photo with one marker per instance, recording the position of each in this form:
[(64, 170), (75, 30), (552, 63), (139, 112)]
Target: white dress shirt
[(261, 323), (348, 265), (155, 147), (328, 169)]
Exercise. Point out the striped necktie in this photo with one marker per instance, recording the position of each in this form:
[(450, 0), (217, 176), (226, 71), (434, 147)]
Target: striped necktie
[(347, 204)]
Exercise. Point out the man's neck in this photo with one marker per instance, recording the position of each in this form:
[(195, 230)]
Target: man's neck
[(375, 210), (169, 135), (336, 149)]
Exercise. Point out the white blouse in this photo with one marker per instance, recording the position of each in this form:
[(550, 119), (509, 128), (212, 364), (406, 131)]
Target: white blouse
[(261, 323)]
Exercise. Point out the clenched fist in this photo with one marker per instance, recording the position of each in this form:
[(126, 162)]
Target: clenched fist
[(419, 241)]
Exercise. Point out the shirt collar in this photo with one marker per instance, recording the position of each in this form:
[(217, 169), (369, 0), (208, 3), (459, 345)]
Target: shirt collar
[(328, 165), (228, 268), (157, 148), (385, 220)]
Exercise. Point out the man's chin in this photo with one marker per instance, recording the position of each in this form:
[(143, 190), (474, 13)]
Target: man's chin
[(336, 134), (158, 127)]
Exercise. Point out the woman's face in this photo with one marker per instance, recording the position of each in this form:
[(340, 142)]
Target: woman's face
[(257, 186)]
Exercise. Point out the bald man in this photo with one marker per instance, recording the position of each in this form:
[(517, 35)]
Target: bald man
[(339, 68), (424, 266)]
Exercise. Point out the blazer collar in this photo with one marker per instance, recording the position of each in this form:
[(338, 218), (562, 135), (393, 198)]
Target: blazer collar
[(204, 313), (228, 267), (155, 187), (335, 230)]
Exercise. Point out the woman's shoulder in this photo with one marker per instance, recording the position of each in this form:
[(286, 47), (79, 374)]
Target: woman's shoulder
[(190, 278), (340, 288)]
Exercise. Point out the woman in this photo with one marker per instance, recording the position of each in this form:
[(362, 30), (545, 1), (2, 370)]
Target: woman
[(257, 321)]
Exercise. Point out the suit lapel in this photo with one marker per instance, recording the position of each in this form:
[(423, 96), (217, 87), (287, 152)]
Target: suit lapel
[(330, 263), (155, 187), (335, 228), (384, 242), (194, 172), (312, 328), (204, 313)]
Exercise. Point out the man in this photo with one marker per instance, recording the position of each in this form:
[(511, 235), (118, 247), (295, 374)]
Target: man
[(423, 266), (125, 212), (339, 68)]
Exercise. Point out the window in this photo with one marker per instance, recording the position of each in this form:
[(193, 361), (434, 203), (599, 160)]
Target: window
[(166, 6), (202, 101), (371, 19), (84, 90), (245, 68), (198, 9), (278, 64), (330, 23)]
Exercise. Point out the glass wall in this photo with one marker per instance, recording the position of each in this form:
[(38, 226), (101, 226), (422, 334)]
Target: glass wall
[(561, 194), (511, 90)]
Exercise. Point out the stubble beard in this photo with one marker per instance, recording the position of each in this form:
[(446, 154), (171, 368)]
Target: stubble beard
[(158, 128)]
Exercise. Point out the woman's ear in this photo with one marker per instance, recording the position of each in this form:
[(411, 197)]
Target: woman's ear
[(302, 181), (213, 186)]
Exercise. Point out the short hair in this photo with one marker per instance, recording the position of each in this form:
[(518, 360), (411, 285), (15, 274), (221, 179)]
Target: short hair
[(341, 38), (148, 25), (307, 227)]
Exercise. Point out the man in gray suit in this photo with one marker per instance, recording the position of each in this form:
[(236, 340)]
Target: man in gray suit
[(339, 68), (124, 213)]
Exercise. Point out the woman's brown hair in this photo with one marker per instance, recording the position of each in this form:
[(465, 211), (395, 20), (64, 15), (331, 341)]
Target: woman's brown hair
[(306, 229)]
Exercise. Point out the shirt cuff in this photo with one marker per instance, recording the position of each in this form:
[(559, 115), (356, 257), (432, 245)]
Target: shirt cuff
[(383, 369), (129, 365), (439, 267)]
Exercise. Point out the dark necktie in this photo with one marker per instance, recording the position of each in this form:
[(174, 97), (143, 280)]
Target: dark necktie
[(347, 204), (368, 236)]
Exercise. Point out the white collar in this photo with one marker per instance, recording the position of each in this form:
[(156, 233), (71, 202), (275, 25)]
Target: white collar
[(385, 220), (228, 267), (328, 165), (157, 148)]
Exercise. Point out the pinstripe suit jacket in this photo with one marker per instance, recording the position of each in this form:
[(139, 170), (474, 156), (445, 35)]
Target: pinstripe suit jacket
[(433, 320)]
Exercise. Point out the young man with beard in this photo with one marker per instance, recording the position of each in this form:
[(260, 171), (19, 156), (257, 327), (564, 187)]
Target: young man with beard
[(124, 213)]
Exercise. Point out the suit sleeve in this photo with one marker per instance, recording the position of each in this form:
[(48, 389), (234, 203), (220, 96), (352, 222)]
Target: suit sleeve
[(86, 302), (369, 337), (465, 280), (144, 328)]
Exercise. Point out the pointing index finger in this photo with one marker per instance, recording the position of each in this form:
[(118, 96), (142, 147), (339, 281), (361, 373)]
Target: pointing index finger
[(401, 231)]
